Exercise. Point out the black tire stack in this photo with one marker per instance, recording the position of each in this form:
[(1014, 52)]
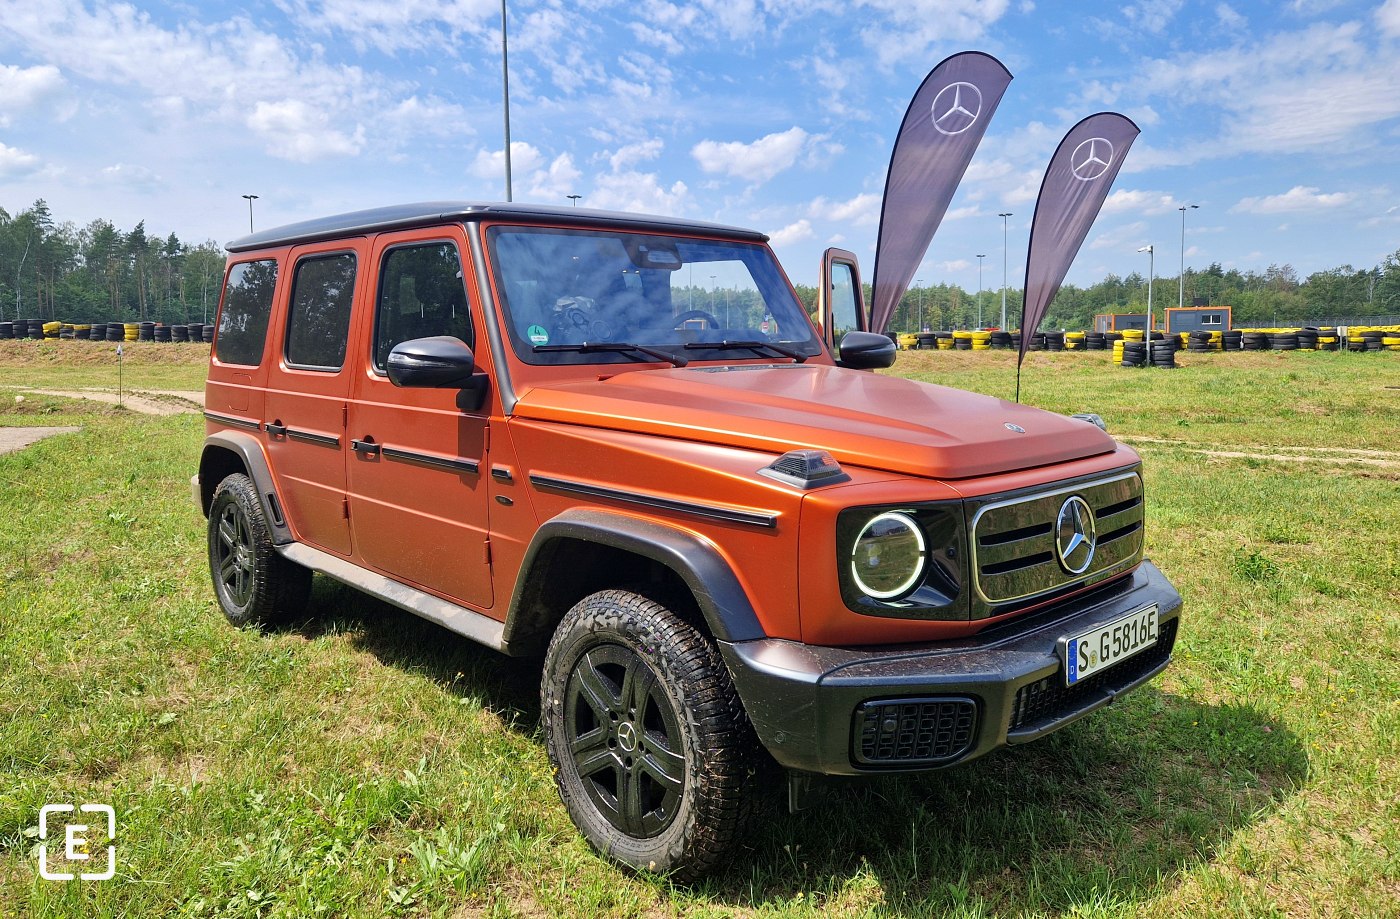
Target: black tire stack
[(1373, 341), (1095, 341), (1054, 341), (1231, 340), (1283, 341), (1134, 353), (1001, 339), (116, 331), (1163, 353), (1307, 339), (146, 332), (7, 330), (161, 333), (927, 341), (1198, 341)]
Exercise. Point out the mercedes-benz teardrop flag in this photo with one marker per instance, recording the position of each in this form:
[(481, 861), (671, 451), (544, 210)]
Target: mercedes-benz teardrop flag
[(940, 132), (1076, 183)]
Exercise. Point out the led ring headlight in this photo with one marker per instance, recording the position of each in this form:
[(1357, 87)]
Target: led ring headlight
[(888, 556)]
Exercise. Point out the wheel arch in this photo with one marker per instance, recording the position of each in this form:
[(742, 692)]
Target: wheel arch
[(229, 452), (581, 551)]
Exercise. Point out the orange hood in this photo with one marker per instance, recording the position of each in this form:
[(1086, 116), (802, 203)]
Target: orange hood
[(863, 419)]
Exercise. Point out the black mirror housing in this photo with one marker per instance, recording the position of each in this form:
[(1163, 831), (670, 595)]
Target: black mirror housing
[(440, 362), (866, 351)]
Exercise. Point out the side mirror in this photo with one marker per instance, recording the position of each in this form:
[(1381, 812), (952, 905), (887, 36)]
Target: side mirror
[(441, 362), (866, 351)]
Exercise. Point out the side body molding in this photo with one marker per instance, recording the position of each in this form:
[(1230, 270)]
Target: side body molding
[(213, 467), (717, 592)]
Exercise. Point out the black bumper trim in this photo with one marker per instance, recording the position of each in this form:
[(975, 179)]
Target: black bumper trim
[(801, 698)]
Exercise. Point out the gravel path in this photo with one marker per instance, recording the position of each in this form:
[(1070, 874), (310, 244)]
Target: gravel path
[(12, 439)]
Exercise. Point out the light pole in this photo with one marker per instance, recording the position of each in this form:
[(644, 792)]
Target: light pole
[(979, 290), (1151, 272), (574, 198), (1003, 268), (1181, 281), (251, 199), (505, 94), (919, 327)]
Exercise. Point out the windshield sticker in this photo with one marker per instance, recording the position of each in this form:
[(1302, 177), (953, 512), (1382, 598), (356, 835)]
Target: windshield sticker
[(538, 335)]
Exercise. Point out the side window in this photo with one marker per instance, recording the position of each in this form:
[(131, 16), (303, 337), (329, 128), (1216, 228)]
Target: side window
[(420, 295), (247, 306), (318, 321)]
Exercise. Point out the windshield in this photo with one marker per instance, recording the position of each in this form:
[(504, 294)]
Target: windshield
[(573, 287)]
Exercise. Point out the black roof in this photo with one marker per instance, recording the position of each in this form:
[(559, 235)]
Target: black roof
[(404, 216)]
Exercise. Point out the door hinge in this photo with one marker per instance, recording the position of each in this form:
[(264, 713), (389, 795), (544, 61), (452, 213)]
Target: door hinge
[(345, 417), (345, 508), (486, 554), (486, 438)]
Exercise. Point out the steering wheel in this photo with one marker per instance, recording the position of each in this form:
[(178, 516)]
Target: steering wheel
[(581, 323), (696, 314)]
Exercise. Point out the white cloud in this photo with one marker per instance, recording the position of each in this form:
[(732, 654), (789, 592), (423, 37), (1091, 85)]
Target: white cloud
[(756, 162), (491, 164), (546, 180), (1139, 202), (1126, 236), (131, 176), (1297, 198), (632, 154), (904, 30), (638, 192), (1228, 18), (396, 25), (24, 88), (955, 265), (792, 233), (862, 211), (551, 184), (15, 162), (1388, 17), (300, 132)]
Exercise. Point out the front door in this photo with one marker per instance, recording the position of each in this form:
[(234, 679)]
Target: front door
[(306, 394), (418, 471)]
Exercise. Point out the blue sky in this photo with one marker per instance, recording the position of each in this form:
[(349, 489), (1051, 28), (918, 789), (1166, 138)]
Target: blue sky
[(1280, 120)]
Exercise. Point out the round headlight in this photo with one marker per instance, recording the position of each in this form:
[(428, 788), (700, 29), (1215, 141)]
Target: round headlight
[(887, 559)]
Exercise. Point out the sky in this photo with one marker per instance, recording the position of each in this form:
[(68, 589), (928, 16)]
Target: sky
[(1280, 121)]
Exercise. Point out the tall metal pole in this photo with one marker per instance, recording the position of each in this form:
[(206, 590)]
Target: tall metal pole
[(1003, 269), (920, 326), (251, 199), (1181, 280), (1151, 273), (979, 289), (505, 94)]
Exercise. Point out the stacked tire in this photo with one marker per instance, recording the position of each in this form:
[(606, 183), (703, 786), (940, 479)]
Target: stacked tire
[(1283, 341), (1132, 353), (1307, 339), (1094, 341), (1163, 353), (1001, 339), (1231, 340)]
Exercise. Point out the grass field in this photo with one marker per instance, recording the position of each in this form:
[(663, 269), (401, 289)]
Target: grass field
[(366, 763)]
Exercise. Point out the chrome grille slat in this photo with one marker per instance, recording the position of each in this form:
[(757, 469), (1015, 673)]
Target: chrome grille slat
[(1021, 529)]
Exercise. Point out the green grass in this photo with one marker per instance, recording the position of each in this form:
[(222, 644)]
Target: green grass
[(366, 763)]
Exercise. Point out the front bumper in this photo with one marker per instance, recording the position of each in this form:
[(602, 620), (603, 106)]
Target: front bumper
[(811, 705)]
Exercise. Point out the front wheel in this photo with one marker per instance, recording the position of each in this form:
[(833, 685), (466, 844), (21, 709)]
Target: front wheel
[(255, 586), (654, 756)]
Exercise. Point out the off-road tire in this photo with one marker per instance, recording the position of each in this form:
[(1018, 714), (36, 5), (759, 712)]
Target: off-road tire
[(254, 585), (658, 685)]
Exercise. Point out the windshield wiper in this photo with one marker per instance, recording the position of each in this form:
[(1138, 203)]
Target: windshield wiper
[(618, 347), (748, 344)]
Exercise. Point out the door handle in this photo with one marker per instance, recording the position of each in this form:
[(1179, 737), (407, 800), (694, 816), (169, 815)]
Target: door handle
[(276, 429), (367, 446)]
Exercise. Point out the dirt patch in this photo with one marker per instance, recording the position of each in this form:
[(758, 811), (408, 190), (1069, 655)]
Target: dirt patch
[(155, 402), (12, 439), (1278, 454)]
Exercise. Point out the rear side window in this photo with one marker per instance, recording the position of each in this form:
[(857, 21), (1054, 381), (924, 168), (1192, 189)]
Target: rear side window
[(420, 295), (318, 321), (247, 306)]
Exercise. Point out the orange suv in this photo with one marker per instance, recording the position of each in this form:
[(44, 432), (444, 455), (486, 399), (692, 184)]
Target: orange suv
[(733, 544)]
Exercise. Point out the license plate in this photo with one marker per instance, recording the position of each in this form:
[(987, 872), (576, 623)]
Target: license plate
[(1090, 652)]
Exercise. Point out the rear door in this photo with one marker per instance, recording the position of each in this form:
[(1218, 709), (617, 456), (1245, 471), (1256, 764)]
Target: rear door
[(308, 389), (417, 483)]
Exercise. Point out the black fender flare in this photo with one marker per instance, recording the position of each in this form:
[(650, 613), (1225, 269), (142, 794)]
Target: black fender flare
[(718, 593), (250, 451)]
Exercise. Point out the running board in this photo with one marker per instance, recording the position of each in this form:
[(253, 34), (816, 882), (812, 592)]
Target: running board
[(468, 623)]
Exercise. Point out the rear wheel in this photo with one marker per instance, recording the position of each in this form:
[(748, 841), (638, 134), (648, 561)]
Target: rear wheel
[(255, 586), (653, 754)]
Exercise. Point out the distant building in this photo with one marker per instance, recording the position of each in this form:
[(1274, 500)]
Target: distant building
[(1117, 322), (1197, 319)]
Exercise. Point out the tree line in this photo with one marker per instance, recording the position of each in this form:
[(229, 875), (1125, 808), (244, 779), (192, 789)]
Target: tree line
[(60, 271), (51, 270)]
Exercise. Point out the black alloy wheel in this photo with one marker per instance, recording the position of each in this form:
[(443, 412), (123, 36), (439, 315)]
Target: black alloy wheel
[(653, 753), (254, 585)]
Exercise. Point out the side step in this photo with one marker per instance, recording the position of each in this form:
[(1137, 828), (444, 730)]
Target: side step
[(469, 623)]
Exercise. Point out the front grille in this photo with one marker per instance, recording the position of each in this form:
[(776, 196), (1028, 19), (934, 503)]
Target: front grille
[(1015, 557), (906, 732), (1050, 698)]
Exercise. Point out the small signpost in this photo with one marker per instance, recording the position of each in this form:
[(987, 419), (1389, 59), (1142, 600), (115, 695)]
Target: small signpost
[(119, 374)]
